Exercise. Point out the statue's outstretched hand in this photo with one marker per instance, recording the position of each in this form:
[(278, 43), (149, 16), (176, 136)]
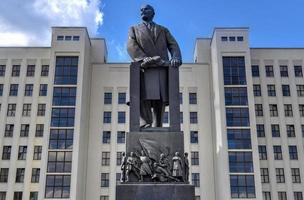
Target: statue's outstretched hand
[(175, 62)]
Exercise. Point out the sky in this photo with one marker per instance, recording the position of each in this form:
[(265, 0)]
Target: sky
[(272, 23)]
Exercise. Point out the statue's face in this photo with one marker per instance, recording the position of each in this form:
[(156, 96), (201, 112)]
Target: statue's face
[(147, 13)]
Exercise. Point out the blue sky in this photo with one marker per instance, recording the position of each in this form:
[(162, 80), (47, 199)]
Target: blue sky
[(272, 23)]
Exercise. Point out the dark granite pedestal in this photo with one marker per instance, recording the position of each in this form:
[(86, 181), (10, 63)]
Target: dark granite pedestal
[(152, 191)]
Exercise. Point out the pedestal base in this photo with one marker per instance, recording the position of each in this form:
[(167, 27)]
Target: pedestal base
[(155, 192)]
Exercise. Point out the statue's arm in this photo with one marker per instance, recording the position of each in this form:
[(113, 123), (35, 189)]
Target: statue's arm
[(134, 49), (173, 46)]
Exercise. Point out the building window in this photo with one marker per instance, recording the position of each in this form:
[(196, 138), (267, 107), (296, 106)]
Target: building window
[(293, 152), (121, 117), (108, 98), (271, 90), (26, 110), (17, 195), (1, 89), (239, 139), (118, 175), (277, 153), (11, 110), (107, 117), (273, 109), (302, 130), (30, 71), (298, 196), (242, 186), (264, 175), (118, 158), (43, 89), (9, 130), (194, 158), (2, 195), (16, 70), (285, 90), (68, 38), (269, 71), (44, 70), (76, 38), (64, 96), (60, 37), (240, 162), (195, 179), (288, 110), (301, 110), (194, 137), (61, 139), (231, 38), (290, 130), (62, 117), (4, 175), (258, 110), (106, 137), (105, 159), (257, 90), (236, 96), (57, 186), (300, 90), (180, 98), (255, 71), (280, 177), (193, 117), (284, 71), (121, 137), (260, 130), (39, 130), (298, 71), (6, 153), (122, 98), (266, 196), (103, 197), (197, 198), (295, 174), (240, 38), (13, 90), (24, 130), (105, 180), (22, 152), (262, 152), (35, 175), (2, 70), (282, 195), (237, 117), (28, 91), (275, 130), (37, 152), (59, 161), (224, 39), (33, 195), (20, 175), (192, 98), (41, 110), (66, 70), (166, 118), (181, 117), (234, 71)]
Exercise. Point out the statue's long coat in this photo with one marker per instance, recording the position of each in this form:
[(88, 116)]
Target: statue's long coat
[(143, 43)]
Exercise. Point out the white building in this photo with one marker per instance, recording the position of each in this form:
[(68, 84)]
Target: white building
[(63, 119)]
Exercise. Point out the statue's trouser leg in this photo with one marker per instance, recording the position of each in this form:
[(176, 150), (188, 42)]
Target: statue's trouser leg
[(145, 111), (159, 110)]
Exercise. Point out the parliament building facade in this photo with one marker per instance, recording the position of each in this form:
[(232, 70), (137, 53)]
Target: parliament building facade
[(64, 119)]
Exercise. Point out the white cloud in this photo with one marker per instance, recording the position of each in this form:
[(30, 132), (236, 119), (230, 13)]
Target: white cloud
[(26, 23), (121, 51)]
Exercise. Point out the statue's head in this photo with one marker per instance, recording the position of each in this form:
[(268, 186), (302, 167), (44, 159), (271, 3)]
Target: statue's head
[(123, 153), (147, 13), (162, 156), (186, 154), (131, 154), (177, 153)]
